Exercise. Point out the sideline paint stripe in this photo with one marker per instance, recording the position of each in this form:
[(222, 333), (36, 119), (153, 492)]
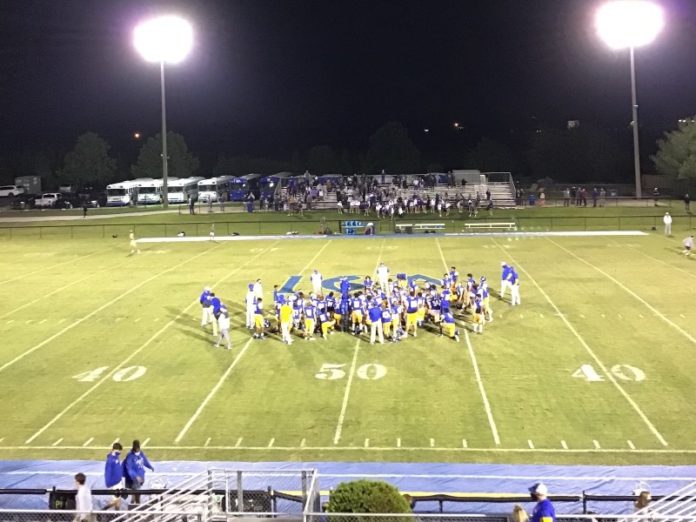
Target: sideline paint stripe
[(477, 372), (630, 292), (346, 394), (48, 268), (589, 350), (147, 343), (97, 310)]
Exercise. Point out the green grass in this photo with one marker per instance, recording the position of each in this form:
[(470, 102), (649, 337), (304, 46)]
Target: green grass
[(73, 307)]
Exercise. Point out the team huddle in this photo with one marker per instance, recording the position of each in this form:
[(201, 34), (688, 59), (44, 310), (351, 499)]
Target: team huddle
[(387, 307)]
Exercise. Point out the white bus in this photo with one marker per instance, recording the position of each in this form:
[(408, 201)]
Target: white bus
[(150, 192), (180, 190), (211, 189), (122, 194)]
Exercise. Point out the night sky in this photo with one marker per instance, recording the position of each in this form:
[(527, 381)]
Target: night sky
[(268, 77)]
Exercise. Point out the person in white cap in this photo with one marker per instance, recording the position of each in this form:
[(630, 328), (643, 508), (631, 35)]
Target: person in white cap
[(667, 220), (544, 510), (383, 278), (316, 279)]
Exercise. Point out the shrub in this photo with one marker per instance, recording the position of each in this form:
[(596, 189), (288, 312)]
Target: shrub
[(367, 496)]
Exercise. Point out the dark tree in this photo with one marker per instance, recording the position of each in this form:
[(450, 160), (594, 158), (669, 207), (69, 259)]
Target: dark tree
[(88, 163), (182, 163), (391, 149)]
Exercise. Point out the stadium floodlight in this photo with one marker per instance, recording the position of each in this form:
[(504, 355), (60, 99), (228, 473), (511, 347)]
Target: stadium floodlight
[(165, 39), (627, 24)]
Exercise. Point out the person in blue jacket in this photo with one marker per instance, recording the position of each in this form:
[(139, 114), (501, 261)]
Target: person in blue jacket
[(113, 475), (134, 469)]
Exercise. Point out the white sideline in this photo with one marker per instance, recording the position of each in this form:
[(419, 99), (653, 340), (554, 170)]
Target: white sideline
[(212, 392), (630, 292), (110, 374), (589, 350), (76, 258), (97, 310), (477, 373), (346, 394), (551, 233)]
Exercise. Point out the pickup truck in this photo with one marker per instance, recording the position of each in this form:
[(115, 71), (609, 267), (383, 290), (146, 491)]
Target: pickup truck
[(47, 200)]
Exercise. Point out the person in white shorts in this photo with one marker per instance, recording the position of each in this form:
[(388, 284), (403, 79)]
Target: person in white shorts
[(224, 328)]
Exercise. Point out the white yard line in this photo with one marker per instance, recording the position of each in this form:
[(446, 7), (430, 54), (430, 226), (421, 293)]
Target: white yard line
[(610, 377), (474, 363), (629, 291), (145, 442), (630, 444), (346, 394), (367, 443), (564, 445), (212, 392), (303, 443), (271, 442), (97, 310), (56, 443), (47, 269), (596, 444), (316, 256), (398, 442), (690, 274), (57, 290), (239, 442), (154, 336), (530, 443), (482, 390), (465, 444), (207, 442), (88, 442), (432, 443)]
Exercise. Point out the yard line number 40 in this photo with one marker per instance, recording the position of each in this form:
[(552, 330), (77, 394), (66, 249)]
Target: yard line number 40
[(129, 373), (368, 372), (622, 372)]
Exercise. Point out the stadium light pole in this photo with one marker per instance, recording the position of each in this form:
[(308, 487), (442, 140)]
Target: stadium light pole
[(627, 24), (164, 39)]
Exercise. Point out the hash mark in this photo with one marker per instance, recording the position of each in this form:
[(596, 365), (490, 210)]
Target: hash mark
[(630, 444), (116, 440), (596, 444), (155, 319), (641, 316), (367, 443), (521, 316), (564, 445), (603, 316), (464, 443), (432, 443), (88, 442), (10, 321), (271, 442), (541, 315), (29, 321), (303, 442), (620, 316), (145, 442), (398, 442), (682, 316), (42, 321), (2, 438), (62, 320), (57, 442), (582, 316), (531, 444), (137, 319), (206, 442), (239, 442)]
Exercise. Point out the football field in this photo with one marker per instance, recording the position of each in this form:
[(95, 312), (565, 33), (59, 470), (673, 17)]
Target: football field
[(596, 366)]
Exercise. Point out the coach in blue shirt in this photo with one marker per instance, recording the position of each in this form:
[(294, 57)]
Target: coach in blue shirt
[(544, 510)]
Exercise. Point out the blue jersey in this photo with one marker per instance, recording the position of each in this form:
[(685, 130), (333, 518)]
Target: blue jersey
[(454, 275), (344, 308), (355, 304), (375, 314), (507, 273), (411, 305), (113, 471), (543, 512), (310, 311), (345, 287), (216, 304), (323, 317), (259, 308), (330, 303), (205, 298), (448, 317), (513, 276), (386, 315), (367, 283)]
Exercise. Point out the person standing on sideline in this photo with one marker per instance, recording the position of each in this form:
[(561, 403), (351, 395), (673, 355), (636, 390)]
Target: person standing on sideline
[(250, 302), (258, 289), (687, 203), (383, 278), (215, 305), (133, 244), (221, 201), (84, 209), (206, 307), (113, 475), (83, 499), (544, 510), (376, 329), (224, 327), (191, 206), (688, 245), (212, 231), (667, 220), (505, 279), (317, 280), (134, 469), (515, 288)]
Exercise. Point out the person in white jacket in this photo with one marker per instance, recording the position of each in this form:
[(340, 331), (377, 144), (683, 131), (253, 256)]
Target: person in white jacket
[(83, 499), (667, 220), (250, 304)]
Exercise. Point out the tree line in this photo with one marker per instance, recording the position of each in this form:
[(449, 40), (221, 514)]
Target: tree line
[(587, 153)]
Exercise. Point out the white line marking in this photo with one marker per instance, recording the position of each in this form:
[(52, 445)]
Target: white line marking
[(346, 394), (116, 440), (604, 316), (690, 274), (582, 316), (596, 444), (477, 373), (530, 443), (207, 442), (155, 319), (42, 321), (88, 442), (303, 443), (630, 292), (47, 269), (110, 374), (239, 442), (145, 442), (316, 256), (592, 354), (564, 445), (63, 320), (682, 316), (57, 442), (29, 321), (137, 319), (97, 310), (10, 321), (367, 443), (212, 392), (465, 444), (432, 443), (521, 316), (630, 444), (482, 390), (271, 442), (1, 439), (641, 316), (541, 315), (398, 442)]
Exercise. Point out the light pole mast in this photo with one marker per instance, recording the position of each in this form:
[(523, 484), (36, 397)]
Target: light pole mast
[(636, 140), (165, 159)]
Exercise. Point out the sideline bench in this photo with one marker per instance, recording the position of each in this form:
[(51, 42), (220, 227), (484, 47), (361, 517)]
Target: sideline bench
[(410, 228), (488, 225)]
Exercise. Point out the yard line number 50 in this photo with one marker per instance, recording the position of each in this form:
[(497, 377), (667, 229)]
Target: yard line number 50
[(129, 373), (368, 372)]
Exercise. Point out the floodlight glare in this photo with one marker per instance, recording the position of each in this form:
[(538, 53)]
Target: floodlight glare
[(166, 39), (629, 23)]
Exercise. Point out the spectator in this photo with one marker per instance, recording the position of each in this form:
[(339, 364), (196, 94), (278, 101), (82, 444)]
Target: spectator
[(191, 204), (566, 197), (113, 475), (643, 499), (667, 220), (518, 514), (83, 499), (544, 510), (687, 203), (84, 208), (134, 469), (602, 197), (595, 195)]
